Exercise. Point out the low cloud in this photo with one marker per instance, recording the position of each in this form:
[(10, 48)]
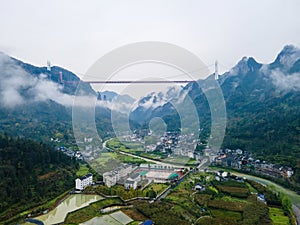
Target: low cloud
[(18, 87), (115, 105), (282, 80), (285, 82), (154, 100)]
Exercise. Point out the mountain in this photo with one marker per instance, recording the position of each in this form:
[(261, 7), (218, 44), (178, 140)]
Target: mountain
[(156, 104), (24, 83), (35, 102), (288, 59), (262, 104), (68, 80), (111, 95), (246, 86)]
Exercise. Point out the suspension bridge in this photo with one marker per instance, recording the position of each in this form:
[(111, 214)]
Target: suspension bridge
[(163, 81)]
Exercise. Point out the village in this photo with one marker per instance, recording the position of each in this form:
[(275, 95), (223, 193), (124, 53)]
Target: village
[(170, 144), (243, 160), (156, 181)]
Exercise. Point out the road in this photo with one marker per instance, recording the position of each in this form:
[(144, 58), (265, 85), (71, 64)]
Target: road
[(153, 160), (144, 158), (297, 213), (104, 144), (204, 163), (167, 191), (165, 194)]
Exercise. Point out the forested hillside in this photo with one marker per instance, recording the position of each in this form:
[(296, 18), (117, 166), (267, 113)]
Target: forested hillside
[(262, 106), (31, 174)]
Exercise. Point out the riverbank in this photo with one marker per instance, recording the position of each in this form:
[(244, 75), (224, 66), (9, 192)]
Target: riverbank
[(295, 198)]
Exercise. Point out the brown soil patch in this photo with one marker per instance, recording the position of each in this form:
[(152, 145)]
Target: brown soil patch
[(133, 214)]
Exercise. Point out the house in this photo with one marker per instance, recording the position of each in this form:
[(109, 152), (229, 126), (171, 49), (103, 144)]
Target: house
[(199, 187), (289, 172), (197, 156), (82, 182), (147, 222), (262, 198), (132, 181), (240, 179), (111, 178), (222, 174), (217, 178), (286, 172), (239, 151), (130, 184)]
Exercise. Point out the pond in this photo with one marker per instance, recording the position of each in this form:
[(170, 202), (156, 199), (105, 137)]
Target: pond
[(70, 204)]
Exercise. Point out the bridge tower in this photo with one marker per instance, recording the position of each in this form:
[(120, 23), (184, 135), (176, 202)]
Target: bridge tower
[(216, 71), (48, 65), (61, 77)]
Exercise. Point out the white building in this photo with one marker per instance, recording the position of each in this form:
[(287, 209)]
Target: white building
[(130, 184), (111, 178), (84, 181), (132, 181), (222, 173), (239, 151), (289, 173)]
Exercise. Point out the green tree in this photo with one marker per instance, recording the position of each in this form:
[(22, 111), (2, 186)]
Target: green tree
[(286, 203)]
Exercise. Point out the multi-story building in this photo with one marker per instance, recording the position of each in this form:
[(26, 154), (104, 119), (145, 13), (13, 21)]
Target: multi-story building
[(82, 182), (132, 181), (111, 178)]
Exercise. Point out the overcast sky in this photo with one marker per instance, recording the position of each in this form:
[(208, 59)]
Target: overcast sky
[(74, 34)]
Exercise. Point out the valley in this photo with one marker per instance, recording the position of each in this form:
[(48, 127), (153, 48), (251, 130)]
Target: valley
[(167, 152), (199, 198)]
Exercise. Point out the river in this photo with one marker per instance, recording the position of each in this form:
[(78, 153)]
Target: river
[(70, 204)]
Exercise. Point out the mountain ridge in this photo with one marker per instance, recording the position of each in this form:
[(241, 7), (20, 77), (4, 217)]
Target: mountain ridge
[(262, 105)]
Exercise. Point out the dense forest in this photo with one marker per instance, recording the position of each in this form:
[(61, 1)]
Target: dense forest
[(31, 174)]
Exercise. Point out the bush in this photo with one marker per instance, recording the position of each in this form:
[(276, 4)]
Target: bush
[(161, 213), (238, 192), (256, 213), (232, 206), (202, 199)]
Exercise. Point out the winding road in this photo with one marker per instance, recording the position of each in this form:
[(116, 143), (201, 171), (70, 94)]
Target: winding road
[(143, 158)]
